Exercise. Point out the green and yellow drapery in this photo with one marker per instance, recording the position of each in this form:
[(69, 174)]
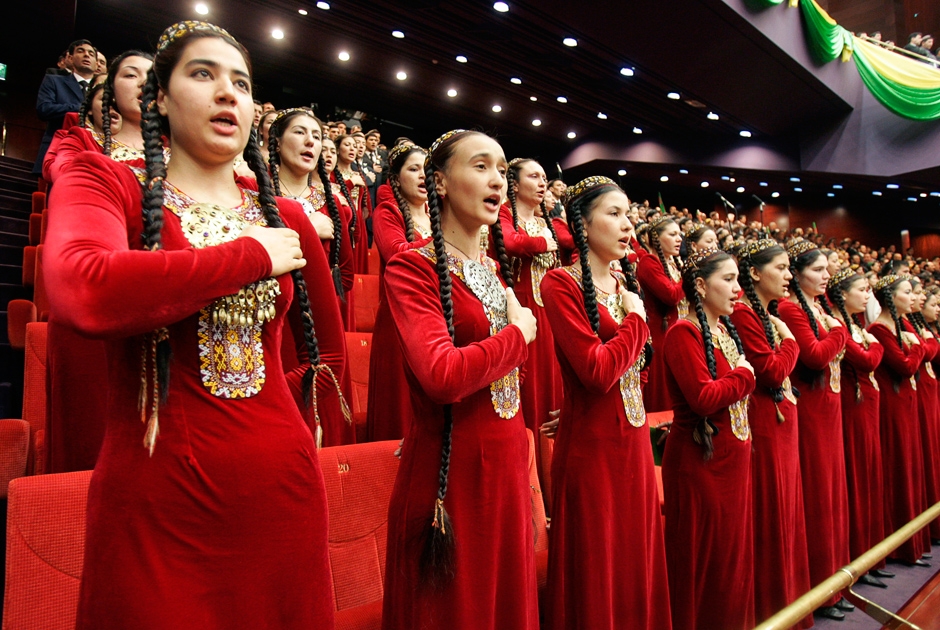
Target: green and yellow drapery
[(906, 86)]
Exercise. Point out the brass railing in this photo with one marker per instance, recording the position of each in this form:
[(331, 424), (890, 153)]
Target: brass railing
[(849, 574)]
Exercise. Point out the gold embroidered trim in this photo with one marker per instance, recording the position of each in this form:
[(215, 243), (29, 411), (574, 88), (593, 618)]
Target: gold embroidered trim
[(738, 411), (683, 306), (541, 263)]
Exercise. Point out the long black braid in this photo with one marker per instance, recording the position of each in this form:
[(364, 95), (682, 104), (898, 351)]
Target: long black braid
[(502, 257), (706, 428), (337, 219), (512, 180), (797, 265), (654, 233), (629, 274), (885, 297), (403, 207), (587, 280), (107, 96), (341, 181), (745, 264)]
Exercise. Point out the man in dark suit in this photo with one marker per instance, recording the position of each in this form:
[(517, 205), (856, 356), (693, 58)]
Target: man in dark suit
[(61, 94)]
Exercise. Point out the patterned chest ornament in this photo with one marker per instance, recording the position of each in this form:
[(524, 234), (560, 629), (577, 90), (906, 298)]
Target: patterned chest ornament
[(738, 411), (631, 391), (483, 282), (860, 339), (787, 386), (683, 306), (231, 356), (835, 366), (541, 263)]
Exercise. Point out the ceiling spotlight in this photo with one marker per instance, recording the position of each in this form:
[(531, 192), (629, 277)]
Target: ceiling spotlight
[(664, 178), (797, 189), (673, 96), (536, 122), (704, 184), (516, 81), (794, 179), (876, 193), (622, 172), (740, 189), (774, 194), (323, 5), (837, 186), (401, 76), (683, 171), (277, 34), (731, 179), (912, 198), (725, 178), (892, 186), (712, 116), (497, 108), (561, 99), (502, 7), (572, 135), (745, 133), (202, 9), (533, 98), (452, 92), (637, 130), (602, 115), (923, 195), (935, 194), (398, 35), (763, 183), (830, 194), (570, 41), (302, 11), (461, 59), (343, 56), (627, 72)]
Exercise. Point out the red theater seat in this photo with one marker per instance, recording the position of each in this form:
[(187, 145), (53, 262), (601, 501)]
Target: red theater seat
[(374, 262), (29, 265), (366, 301), (35, 229), (34, 395), (39, 202), (19, 314), (39, 289), (359, 351)]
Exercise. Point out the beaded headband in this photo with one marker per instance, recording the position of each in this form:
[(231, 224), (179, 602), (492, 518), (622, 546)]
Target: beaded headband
[(694, 262), (515, 161), (585, 185), (842, 276), (886, 281), (799, 248), (661, 218), (284, 113), (398, 149), (757, 247), (437, 143), (185, 28)]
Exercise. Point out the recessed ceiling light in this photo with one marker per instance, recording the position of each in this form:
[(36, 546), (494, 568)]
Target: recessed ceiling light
[(797, 189), (674, 96), (452, 92), (923, 195), (745, 133), (830, 194), (912, 198), (516, 80), (731, 179), (794, 179), (502, 7), (704, 184), (637, 130), (740, 189), (302, 11), (323, 5), (683, 171), (935, 194), (572, 135), (401, 76), (837, 186), (533, 98), (570, 41), (774, 194), (763, 183), (627, 72), (664, 178), (622, 172), (461, 59), (343, 56), (712, 116), (277, 34), (725, 178), (602, 115), (892, 186), (497, 108), (398, 35), (536, 122), (202, 9), (876, 193), (561, 99)]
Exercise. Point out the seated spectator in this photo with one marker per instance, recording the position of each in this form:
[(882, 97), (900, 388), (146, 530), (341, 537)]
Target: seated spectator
[(102, 64), (914, 41)]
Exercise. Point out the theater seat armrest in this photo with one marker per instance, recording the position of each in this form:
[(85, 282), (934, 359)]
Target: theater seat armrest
[(14, 451)]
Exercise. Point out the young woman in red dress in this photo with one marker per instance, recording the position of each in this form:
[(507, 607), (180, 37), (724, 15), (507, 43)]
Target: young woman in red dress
[(207, 504), (849, 292), (928, 404), (532, 246), (460, 551), (905, 494), (607, 563), (357, 196), (399, 224), (665, 301), (706, 467), (817, 377), (264, 125), (930, 312), (779, 523), (701, 237)]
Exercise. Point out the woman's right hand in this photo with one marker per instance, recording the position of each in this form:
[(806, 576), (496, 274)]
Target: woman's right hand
[(323, 225), (782, 328), (910, 338), (742, 362), (550, 244), (282, 246), (832, 321), (520, 316), (632, 303)]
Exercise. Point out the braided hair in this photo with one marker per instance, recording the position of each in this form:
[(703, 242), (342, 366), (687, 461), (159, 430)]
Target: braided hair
[(655, 230), (758, 261), (107, 96), (512, 180), (87, 108), (338, 178), (153, 127), (916, 318), (836, 294), (394, 182), (798, 264), (885, 296), (438, 557)]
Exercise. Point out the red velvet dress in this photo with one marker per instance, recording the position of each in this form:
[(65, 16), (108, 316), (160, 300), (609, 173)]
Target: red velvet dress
[(779, 522), (822, 461), (363, 206), (388, 414), (662, 296), (709, 537), (861, 434), (905, 495), (225, 524), (566, 246), (541, 382), (488, 495), (607, 563), (928, 406)]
